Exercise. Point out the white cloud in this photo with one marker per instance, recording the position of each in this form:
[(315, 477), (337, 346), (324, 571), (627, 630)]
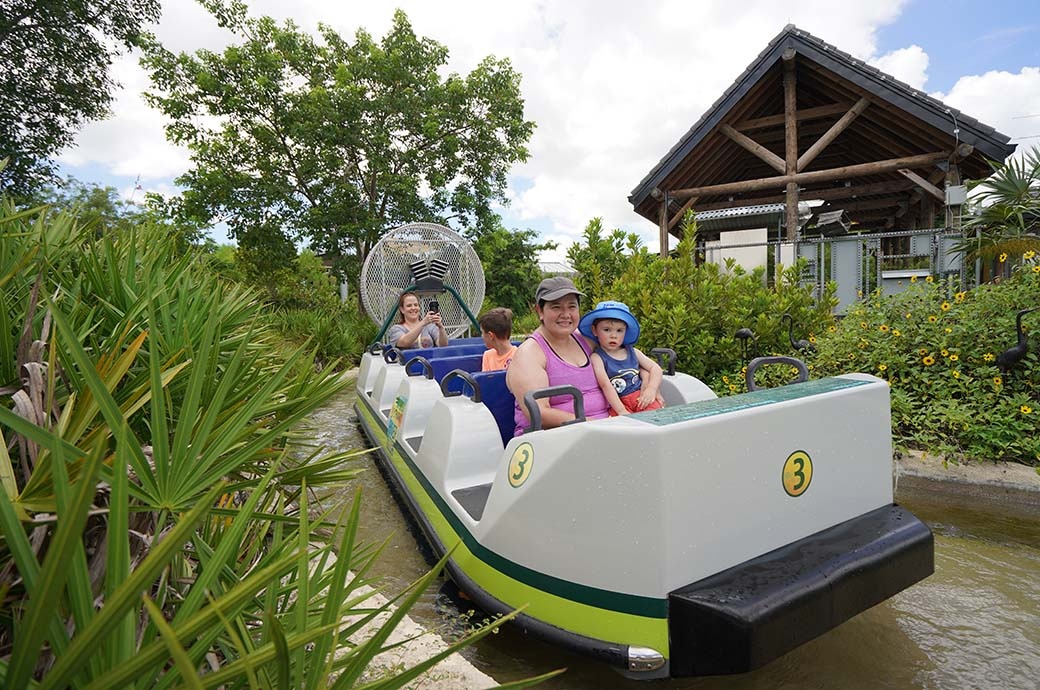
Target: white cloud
[(909, 65), (1008, 102), (611, 84)]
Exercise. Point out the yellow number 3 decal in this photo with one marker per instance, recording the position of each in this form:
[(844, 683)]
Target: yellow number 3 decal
[(520, 464), (797, 473)]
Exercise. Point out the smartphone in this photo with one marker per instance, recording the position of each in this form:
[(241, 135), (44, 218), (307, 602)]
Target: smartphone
[(434, 306)]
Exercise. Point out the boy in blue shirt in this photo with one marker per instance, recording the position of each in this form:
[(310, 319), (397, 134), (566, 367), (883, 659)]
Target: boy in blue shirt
[(629, 379)]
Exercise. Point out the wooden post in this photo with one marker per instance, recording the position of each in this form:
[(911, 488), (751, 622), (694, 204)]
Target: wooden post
[(791, 141), (664, 226)]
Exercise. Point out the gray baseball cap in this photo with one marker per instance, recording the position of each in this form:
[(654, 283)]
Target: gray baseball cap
[(555, 288)]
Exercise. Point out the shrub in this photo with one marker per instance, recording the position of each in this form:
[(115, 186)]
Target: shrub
[(696, 309), (155, 517), (938, 348)]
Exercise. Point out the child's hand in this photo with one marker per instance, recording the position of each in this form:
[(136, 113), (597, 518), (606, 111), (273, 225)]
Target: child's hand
[(645, 398)]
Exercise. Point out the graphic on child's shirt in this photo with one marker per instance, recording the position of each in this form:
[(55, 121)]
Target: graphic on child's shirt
[(625, 380)]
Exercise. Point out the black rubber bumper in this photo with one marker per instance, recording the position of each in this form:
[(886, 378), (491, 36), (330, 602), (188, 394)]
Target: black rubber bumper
[(744, 617)]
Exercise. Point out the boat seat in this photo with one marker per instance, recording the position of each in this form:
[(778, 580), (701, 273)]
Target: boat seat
[(432, 353), (442, 365), (495, 396)]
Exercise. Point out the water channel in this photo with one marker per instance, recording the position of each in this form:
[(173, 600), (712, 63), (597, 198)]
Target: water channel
[(974, 624)]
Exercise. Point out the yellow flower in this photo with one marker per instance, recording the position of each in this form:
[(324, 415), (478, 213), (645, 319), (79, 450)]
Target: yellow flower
[(862, 324), (812, 338), (1029, 255), (896, 333), (928, 361), (743, 370), (945, 306), (1036, 269), (929, 279), (945, 352), (882, 367), (922, 352), (725, 379), (997, 381), (908, 315), (831, 329), (1025, 409), (960, 296), (954, 358), (956, 374), (933, 319), (883, 328), (948, 329), (913, 279), (988, 357), (732, 388), (1003, 257)]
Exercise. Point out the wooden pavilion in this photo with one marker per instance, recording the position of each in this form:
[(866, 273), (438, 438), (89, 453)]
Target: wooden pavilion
[(807, 121)]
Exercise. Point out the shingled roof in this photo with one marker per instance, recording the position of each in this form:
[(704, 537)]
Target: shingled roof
[(901, 121)]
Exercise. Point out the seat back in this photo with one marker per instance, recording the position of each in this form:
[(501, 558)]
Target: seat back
[(442, 365), (495, 396)]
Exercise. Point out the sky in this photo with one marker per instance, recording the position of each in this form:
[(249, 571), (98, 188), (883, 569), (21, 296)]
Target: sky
[(612, 85)]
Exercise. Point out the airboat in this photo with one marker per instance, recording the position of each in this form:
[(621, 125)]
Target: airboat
[(708, 537)]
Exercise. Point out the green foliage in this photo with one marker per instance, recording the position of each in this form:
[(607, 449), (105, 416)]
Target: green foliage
[(54, 77), (99, 207), (1008, 212), (696, 309), (938, 349), (600, 260), (332, 141), (155, 508), (510, 260)]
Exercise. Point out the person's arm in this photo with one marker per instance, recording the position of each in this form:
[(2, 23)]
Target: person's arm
[(442, 334), (651, 383), (609, 392), (526, 373), (408, 338)]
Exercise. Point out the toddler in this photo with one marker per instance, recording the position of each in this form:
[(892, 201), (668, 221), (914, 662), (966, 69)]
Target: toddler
[(620, 367)]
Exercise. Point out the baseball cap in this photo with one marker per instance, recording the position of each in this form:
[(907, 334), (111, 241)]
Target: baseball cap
[(555, 288)]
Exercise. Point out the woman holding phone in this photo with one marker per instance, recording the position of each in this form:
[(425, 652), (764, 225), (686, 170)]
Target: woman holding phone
[(413, 331)]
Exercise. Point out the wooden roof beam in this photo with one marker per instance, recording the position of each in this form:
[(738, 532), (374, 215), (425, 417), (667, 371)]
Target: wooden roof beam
[(847, 172), (923, 184), (831, 134), (749, 144), (834, 193), (807, 114)]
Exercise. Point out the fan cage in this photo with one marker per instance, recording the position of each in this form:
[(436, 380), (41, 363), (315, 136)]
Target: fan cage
[(423, 247)]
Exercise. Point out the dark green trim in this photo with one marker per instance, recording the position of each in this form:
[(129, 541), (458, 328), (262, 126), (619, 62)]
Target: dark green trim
[(647, 607)]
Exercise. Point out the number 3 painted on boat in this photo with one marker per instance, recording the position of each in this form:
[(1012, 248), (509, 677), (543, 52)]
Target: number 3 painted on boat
[(520, 465), (797, 473)]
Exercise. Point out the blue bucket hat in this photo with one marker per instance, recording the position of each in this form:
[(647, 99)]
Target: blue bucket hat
[(611, 310)]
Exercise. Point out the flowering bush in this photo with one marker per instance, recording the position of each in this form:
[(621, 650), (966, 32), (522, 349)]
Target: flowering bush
[(938, 348)]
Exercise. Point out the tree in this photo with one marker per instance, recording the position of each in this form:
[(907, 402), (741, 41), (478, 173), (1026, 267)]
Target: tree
[(334, 142), (99, 207), (510, 260), (600, 259), (54, 62)]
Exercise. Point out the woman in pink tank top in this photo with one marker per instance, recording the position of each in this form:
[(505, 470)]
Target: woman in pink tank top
[(555, 355)]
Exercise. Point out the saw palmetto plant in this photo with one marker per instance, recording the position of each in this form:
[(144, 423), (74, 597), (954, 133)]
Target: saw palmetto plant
[(158, 528)]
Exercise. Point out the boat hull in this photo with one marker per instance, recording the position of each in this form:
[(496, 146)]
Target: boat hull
[(610, 545)]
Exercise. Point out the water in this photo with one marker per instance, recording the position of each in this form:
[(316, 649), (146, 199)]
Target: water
[(975, 623)]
